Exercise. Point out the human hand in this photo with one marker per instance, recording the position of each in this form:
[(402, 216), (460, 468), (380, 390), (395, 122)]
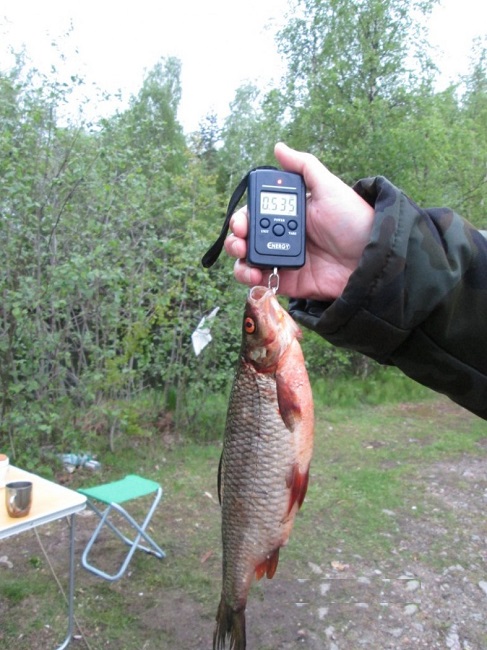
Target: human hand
[(338, 227)]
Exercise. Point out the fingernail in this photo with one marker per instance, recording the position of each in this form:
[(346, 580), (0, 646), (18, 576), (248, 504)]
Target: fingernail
[(242, 272), (247, 276)]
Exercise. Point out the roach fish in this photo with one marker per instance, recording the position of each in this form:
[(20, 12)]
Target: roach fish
[(263, 473)]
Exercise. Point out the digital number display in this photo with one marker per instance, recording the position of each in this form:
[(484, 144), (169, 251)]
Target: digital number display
[(278, 203)]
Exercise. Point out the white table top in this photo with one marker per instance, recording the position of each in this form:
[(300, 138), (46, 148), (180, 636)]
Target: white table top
[(50, 501)]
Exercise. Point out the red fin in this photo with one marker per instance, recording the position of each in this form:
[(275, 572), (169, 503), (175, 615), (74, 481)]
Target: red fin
[(272, 563), (298, 483), (260, 570), (268, 566), (289, 406)]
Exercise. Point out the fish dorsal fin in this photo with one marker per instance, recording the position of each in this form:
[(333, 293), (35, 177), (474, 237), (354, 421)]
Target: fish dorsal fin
[(219, 479)]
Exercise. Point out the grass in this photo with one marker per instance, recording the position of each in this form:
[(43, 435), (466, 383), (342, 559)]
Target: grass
[(16, 589), (365, 458)]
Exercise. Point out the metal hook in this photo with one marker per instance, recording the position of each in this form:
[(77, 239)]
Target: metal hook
[(273, 282)]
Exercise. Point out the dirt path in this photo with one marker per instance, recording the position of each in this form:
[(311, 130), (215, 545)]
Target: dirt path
[(429, 592)]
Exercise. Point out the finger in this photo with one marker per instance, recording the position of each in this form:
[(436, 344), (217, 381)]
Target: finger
[(312, 170), (247, 274), (239, 224), (290, 159), (235, 246)]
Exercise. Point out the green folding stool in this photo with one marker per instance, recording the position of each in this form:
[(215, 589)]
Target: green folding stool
[(113, 495)]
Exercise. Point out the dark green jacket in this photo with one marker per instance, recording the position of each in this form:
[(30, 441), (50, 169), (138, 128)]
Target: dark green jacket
[(418, 299)]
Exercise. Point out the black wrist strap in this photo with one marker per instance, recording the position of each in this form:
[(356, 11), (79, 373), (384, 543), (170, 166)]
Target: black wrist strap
[(213, 253)]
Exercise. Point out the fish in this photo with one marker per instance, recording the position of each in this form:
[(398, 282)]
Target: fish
[(267, 449)]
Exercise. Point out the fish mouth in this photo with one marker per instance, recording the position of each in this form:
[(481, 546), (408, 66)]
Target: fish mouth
[(264, 300), (258, 292), (263, 304)]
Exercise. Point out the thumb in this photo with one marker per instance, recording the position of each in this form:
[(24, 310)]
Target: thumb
[(290, 159), (301, 163)]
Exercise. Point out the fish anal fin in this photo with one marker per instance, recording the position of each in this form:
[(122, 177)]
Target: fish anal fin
[(268, 566), (298, 484)]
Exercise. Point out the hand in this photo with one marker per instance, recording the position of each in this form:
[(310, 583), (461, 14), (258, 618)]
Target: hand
[(338, 227)]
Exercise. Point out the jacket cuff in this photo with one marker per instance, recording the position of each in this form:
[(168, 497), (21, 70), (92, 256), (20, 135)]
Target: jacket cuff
[(385, 298)]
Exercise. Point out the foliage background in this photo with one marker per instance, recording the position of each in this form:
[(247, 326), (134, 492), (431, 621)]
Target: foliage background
[(103, 225)]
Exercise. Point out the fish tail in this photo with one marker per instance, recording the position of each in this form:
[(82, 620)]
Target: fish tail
[(232, 623)]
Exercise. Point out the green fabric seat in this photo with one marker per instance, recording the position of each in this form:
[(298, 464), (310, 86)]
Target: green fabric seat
[(113, 495), (128, 488)]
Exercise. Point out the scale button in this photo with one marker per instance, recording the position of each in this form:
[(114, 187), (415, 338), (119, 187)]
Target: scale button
[(265, 223), (278, 230), (292, 225)]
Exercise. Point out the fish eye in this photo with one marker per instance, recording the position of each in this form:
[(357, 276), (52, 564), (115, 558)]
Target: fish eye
[(249, 325)]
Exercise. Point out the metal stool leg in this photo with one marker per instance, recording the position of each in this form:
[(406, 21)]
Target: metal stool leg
[(134, 544)]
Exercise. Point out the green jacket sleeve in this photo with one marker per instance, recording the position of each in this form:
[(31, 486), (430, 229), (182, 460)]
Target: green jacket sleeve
[(418, 299)]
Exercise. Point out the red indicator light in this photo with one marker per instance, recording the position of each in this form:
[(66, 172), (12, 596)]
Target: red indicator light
[(279, 181)]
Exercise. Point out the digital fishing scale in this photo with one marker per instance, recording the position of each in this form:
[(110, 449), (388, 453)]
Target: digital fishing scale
[(276, 204)]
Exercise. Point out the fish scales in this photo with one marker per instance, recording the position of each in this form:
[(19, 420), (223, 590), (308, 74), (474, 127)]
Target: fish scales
[(266, 455), (259, 494)]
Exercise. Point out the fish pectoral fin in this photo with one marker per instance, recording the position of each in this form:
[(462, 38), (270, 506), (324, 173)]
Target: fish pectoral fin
[(289, 406), (268, 566), (298, 484)]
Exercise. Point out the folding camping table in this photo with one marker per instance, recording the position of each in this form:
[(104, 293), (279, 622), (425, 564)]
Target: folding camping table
[(50, 501)]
